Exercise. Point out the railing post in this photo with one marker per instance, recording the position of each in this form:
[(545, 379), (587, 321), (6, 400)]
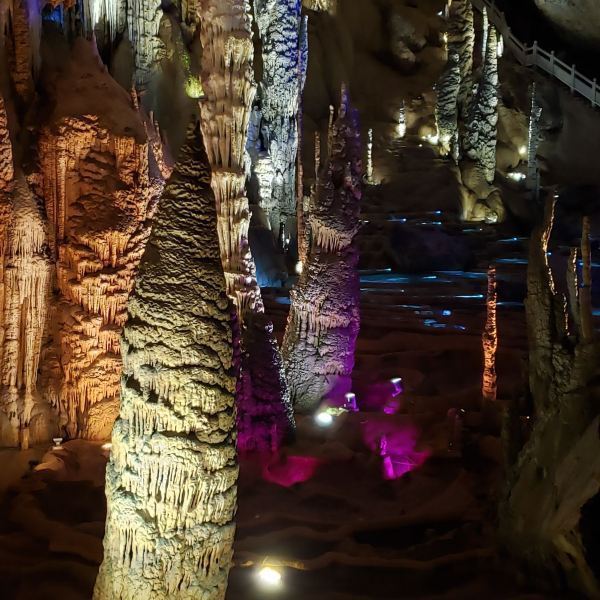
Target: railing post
[(572, 78), (552, 59), (594, 87), (535, 53)]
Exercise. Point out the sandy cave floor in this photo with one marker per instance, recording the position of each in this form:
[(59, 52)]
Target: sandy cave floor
[(342, 521)]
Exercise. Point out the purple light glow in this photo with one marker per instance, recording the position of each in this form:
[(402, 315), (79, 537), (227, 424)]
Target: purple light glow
[(396, 444)]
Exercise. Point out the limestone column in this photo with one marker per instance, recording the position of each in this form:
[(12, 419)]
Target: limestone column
[(171, 479)]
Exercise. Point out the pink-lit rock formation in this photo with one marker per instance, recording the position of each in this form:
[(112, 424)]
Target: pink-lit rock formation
[(171, 481), (323, 323), (99, 197)]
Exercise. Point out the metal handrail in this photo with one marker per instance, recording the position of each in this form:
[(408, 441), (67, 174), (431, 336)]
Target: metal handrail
[(534, 56)]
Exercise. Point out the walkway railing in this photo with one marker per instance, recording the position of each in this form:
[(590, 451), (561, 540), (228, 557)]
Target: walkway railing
[(535, 56)]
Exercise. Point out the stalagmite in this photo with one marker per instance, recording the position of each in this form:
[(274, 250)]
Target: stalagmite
[(171, 480), (283, 33), (480, 137), (99, 197), (226, 35), (533, 141), (461, 41), (323, 323), (490, 340), (557, 471), (446, 110)]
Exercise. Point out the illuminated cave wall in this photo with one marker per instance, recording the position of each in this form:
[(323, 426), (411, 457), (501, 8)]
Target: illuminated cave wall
[(99, 197)]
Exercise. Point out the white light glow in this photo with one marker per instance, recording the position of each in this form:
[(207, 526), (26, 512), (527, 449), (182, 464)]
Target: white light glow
[(299, 267), (324, 419), (515, 176), (523, 150), (107, 446), (269, 577), (500, 47), (57, 441)]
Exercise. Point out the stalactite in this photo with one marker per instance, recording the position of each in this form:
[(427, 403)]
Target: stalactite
[(283, 32), (143, 22), (323, 323), (533, 141), (480, 137), (461, 40), (171, 480), (225, 32), (558, 469), (484, 32), (27, 280), (100, 197), (22, 54), (446, 110), (490, 340), (329, 6)]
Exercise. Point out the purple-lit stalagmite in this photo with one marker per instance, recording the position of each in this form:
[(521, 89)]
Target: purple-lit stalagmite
[(323, 323), (557, 470), (227, 75), (171, 480)]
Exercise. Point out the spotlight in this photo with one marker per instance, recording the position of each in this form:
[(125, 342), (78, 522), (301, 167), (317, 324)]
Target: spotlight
[(523, 150), (107, 446), (324, 419), (299, 267), (269, 577), (57, 443)]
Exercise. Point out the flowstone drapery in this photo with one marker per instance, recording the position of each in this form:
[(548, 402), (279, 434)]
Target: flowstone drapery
[(283, 33), (171, 479), (25, 281), (323, 323), (227, 74), (558, 468), (482, 125)]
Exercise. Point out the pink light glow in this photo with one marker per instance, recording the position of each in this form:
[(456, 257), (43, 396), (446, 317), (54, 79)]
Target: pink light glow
[(395, 442), (384, 396), (289, 470)]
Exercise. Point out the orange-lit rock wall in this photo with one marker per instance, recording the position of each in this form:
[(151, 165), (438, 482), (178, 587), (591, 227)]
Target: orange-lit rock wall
[(99, 201)]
